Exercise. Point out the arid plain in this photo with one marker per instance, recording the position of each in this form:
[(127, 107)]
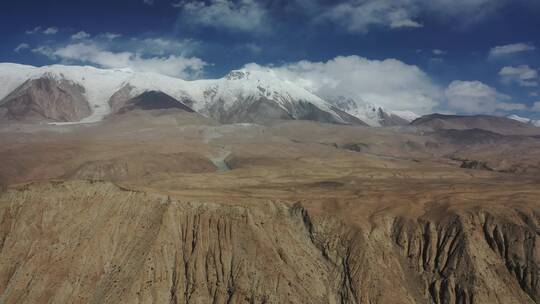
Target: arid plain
[(166, 206)]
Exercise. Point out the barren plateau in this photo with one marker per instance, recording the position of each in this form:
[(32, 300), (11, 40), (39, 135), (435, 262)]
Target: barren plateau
[(166, 206)]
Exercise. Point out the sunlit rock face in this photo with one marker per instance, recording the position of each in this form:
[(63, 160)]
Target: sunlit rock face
[(46, 99)]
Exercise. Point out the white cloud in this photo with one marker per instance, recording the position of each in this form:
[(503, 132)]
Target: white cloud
[(154, 54), (438, 52), (92, 53), (536, 106), (399, 23), (80, 35), (34, 30), (362, 15), (109, 36), (523, 75), (243, 15), (359, 16), (389, 83), (508, 49), (21, 47), (40, 30), (50, 31), (477, 97), (163, 46), (44, 50)]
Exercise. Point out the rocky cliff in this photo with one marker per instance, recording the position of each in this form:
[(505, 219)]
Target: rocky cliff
[(94, 242)]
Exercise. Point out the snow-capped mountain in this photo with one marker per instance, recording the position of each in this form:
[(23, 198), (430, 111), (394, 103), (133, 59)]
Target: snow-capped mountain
[(371, 114), (98, 84), (249, 96), (525, 120), (409, 116), (241, 96)]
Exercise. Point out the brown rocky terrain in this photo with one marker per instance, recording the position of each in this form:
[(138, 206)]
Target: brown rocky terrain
[(45, 99), (166, 206), (501, 125), (94, 242)]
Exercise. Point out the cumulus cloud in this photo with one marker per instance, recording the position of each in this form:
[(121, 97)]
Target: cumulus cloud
[(389, 83), (21, 47), (243, 15), (522, 75), (477, 97), (80, 35), (91, 53), (536, 106), (110, 50), (509, 49)]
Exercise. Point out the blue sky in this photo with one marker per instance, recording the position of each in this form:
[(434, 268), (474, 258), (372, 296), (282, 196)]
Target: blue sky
[(456, 56)]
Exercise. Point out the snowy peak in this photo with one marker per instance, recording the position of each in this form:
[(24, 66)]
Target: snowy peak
[(263, 84), (407, 115), (251, 96), (98, 85), (525, 120), (237, 75), (240, 96), (373, 115)]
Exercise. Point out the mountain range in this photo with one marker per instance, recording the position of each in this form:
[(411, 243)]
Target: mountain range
[(60, 94), (86, 94), (252, 189)]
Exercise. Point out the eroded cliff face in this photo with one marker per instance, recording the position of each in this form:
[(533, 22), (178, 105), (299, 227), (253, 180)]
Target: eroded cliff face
[(93, 242)]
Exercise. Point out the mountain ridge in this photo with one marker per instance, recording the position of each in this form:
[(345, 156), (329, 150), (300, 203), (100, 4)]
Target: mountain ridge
[(497, 124), (229, 99)]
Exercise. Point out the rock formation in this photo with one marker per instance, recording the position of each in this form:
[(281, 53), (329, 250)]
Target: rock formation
[(94, 242), (46, 99)]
